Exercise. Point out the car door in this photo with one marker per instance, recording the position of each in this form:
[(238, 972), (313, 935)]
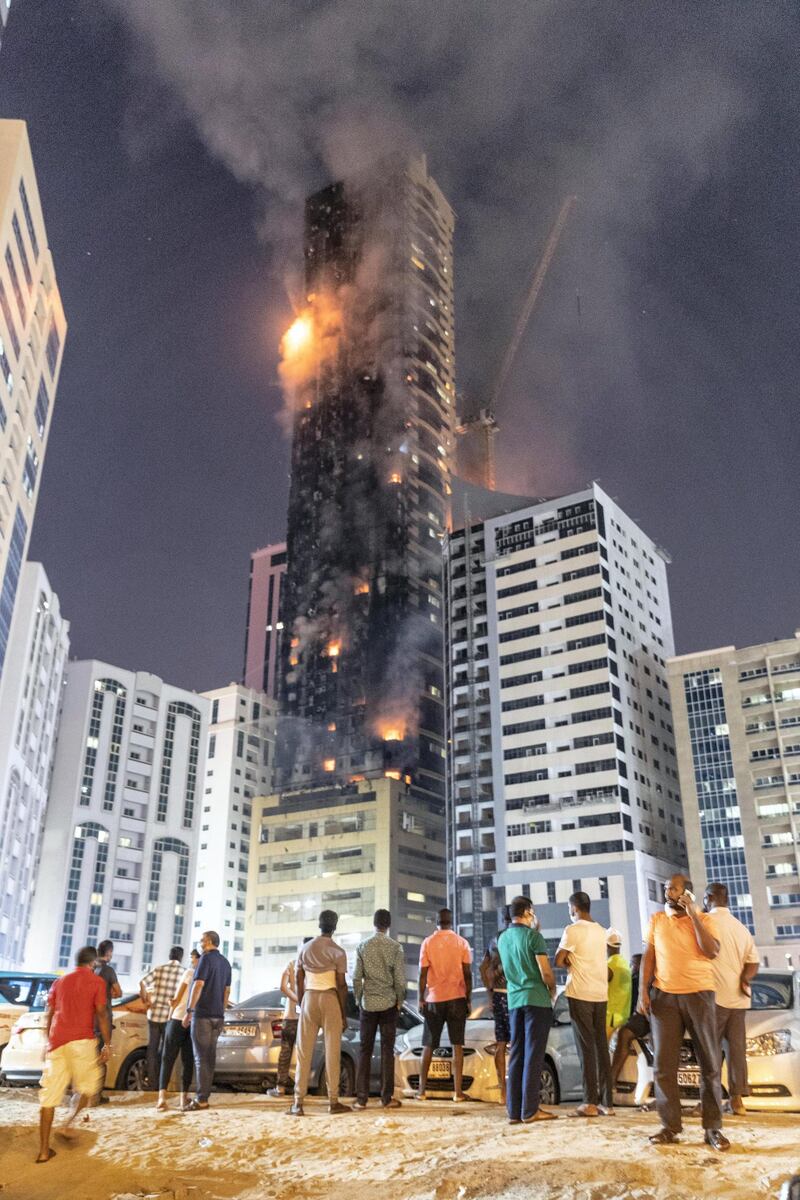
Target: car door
[(564, 1051)]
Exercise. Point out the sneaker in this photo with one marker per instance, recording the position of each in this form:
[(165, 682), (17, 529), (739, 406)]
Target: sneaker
[(296, 1110), (360, 1104), (277, 1093)]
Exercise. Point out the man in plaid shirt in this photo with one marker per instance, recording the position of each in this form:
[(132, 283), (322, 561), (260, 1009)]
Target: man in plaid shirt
[(158, 989)]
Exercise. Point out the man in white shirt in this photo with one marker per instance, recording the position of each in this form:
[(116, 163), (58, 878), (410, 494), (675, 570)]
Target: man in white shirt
[(582, 950), (735, 965)]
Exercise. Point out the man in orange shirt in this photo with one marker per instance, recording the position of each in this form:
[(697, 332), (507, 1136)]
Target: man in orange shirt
[(445, 989), (681, 942)]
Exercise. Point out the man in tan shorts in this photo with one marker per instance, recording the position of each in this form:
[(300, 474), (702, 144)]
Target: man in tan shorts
[(75, 1002)]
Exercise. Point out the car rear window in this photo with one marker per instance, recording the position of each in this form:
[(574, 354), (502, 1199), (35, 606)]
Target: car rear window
[(772, 991), (263, 1000), (23, 989)]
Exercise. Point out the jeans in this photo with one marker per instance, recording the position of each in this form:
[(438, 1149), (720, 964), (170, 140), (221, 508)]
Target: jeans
[(671, 1016), (589, 1027), (288, 1039), (155, 1044), (205, 1032), (530, 1026), (177, 1040), (370, 1022)]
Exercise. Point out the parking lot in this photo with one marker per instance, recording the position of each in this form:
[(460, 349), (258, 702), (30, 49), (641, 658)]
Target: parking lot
[(246, 1148)]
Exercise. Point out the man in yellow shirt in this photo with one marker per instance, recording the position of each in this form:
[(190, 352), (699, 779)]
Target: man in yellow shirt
[(619, 984), (680, 945)]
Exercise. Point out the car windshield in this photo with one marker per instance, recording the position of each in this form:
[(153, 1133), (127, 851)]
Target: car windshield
[(263, 1000), (772, 991)]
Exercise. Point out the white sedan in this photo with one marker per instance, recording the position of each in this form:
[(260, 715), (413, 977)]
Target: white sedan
[(773, 1052)]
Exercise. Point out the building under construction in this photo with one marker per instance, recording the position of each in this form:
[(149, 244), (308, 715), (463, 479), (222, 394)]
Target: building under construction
[(369, 370)]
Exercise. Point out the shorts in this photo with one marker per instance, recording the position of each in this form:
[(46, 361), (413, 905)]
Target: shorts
[(452, 1013), (638, 1025), (502, 1026), (74, 1063)]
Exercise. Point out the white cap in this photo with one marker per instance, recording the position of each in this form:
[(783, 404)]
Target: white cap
[(614, 938)]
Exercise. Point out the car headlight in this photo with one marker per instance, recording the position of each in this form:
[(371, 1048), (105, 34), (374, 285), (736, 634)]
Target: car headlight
[(777, 1042)]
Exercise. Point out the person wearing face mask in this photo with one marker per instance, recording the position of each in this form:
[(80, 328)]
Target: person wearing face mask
[(680, 945), (582, 950)]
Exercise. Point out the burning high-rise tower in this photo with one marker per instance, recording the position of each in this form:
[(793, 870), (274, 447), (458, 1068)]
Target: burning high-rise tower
[(369, 370)]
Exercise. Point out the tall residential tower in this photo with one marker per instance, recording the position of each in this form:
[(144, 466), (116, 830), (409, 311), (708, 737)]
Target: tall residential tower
[(369, 366), (737, 723), (562, 772), (32, 331)]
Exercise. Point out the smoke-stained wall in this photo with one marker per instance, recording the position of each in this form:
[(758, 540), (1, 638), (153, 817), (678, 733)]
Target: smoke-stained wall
[(368, 373)]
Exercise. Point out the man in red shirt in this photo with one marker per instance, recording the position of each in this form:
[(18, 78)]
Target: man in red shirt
[(445, 989), (75, 1003)]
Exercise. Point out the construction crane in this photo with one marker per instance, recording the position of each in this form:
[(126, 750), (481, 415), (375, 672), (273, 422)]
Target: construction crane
[(533, 295), (476, 435)]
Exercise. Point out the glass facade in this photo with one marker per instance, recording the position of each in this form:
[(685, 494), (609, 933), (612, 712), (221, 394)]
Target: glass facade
[(16, 552), (717, 799)]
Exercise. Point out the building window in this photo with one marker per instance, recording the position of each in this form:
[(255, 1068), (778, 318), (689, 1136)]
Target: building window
[(212, 746), (16, 551), (52, 347), (42, 407), (23, 253), (26, 211), (161, 847), (102, 687), (82, 833), (179, 708), (6, 310), (12, 271)]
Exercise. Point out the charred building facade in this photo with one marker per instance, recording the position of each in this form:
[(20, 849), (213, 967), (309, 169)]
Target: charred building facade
[(368, 367)]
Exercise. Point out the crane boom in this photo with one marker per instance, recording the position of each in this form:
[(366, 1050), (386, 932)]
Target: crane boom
[(533, 295)]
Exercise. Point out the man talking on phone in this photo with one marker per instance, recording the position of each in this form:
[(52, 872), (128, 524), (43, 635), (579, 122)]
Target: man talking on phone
[(680, 945)]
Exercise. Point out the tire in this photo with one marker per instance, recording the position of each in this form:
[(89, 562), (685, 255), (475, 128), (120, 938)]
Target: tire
[(347, 1078), (551, 1092), (133, 1073)]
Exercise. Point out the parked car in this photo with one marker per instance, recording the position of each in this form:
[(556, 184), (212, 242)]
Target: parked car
[(23, 1057), (249, 1045), (561, 1074), (773, 1052), (21, 992)]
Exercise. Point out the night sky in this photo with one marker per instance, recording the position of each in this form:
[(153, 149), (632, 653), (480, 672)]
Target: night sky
[(173, 142)]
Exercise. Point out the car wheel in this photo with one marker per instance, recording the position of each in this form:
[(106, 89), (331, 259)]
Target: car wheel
[(551, 1093), (133, 1075), (347, 1078)]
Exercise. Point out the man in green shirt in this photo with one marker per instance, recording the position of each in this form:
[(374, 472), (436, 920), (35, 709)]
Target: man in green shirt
[(531, 989), (379, 986)]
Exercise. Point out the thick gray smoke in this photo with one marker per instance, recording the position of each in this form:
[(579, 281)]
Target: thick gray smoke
[(633, 106)]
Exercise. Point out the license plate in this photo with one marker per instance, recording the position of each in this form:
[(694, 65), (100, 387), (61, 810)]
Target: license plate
[(689, 1079), (242, 1031), (439, 1069)]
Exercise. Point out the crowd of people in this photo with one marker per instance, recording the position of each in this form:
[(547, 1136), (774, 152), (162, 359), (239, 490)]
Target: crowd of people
[(693, 976)]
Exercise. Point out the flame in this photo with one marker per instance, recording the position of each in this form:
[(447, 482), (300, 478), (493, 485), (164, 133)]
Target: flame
[(392, 730), (395, 477), (298, 336), (361, 589), (331, 727), (295, 642), (329, 764), (392, 775), (333, 649)]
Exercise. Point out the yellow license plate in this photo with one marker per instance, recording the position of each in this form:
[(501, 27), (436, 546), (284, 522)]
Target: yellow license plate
[(440, 1069)]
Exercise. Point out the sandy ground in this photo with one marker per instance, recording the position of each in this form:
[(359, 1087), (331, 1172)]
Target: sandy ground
[(245, 1147)]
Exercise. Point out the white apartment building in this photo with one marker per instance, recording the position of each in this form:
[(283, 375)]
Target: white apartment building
[(562, 770), (30, 698), (119, 849), (32, 332), (737, 724), (239, 763)]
